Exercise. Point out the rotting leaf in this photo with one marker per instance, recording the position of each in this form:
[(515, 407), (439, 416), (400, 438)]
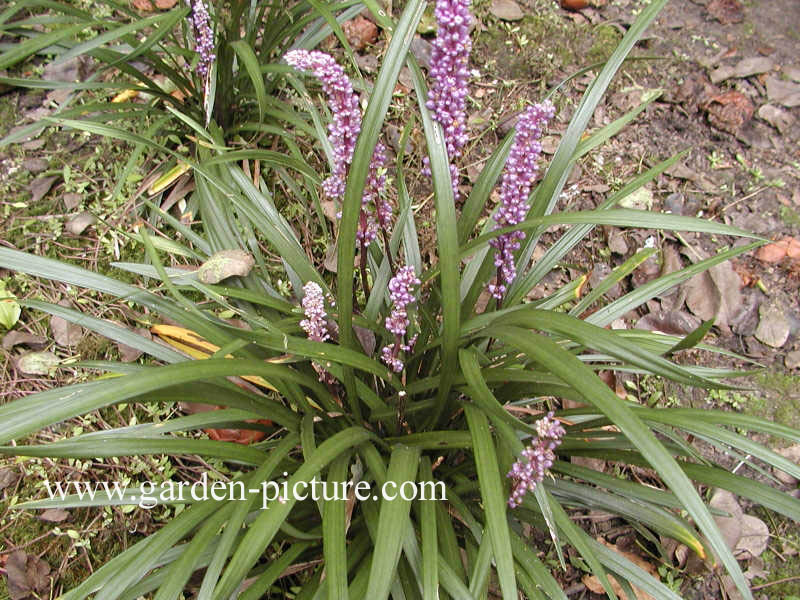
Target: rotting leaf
[(27, 576), (54, 515), (40, 186), (726, 11), (714, 294), (8, 477), (729, 111), (22, 338), (224, 264), (730, 525), (77, 225), (367, 339), (754, 538), (37, 363), (360, 32), (64, 332), (673, 322)]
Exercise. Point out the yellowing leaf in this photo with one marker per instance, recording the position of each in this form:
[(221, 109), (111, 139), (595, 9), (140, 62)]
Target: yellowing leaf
[(168, 178), (124, 96)]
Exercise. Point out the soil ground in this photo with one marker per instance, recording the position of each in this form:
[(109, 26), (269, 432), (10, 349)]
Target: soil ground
[(743, 168)]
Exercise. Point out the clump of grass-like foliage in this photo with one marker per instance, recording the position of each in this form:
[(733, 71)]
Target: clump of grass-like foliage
[(341, 414)]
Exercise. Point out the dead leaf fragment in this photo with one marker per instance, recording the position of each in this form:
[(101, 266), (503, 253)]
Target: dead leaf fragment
[(360, 32), (72, 200), (777, 251), (27, 576), (773, 326), (715, 294), (783, 92), (778, 118), (507, 10), (726, 11), (224, 264), (129, 354), (8, 477), (593, 583), (20, 338), (54, 515), (64, 332), (729, 526), (77, 225), (791, 453), (754, 538), (729, 111), (37, 363), (40, 186)]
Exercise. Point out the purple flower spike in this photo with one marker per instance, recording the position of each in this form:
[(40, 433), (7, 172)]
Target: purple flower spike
[(315, 324), (527, 472), (342, 135), (518, 177), (203, 37), (397, 322), (346, 125), (447, 96)]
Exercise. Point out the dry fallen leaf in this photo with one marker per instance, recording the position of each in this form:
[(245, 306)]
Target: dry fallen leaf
[(360, 32), (27, 576), (77, 224), (729, 111), (754, 538), (64, 332), (714, 294), (594, 585), (37, 363), (726, 11), (20, 338), (729, 526), (507, 10), (40, 186), (224, 264), (54, 515), (777, 251)]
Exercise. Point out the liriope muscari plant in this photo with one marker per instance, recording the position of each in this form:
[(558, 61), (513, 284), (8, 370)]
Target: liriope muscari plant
[(392, 368)]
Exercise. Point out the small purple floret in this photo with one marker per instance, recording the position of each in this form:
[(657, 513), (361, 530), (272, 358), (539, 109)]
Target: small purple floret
[(203, 37), (346, 125), (449, 72), (518, 177), (527, 472), (342, 135), (315, 324), (397, 322)]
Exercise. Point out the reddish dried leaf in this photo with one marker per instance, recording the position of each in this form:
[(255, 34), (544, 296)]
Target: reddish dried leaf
[(27, 576), (240, 436), (729, 111), (726, 11), (772, 253), (145, 5), (360, 32)]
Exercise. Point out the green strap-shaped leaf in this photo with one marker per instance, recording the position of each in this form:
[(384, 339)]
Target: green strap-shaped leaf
[(566, 366), (268, 523), (494, 500), (359, 169), (391, 524)]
